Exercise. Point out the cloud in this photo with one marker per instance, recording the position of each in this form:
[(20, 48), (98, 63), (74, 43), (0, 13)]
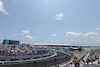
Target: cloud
[(86, 42), (57, 41), (28, 36), (91, 35), (73, 40), (21, 34), (59, 16), (85, 45), (51, 41), (15, 34), (34, 37), (25, 31), (54, 35), (0, 35), (46, 1), (75, 34), (98, 28), (15, 2), (2, 9)]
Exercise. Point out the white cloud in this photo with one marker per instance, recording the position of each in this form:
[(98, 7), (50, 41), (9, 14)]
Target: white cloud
[(15, 2), (57, 41), (25, 31), (2, 9), (59, 16), (34, 37), (15, 34), (73, 40), (21, 34), (84, 45), (86, 42), (51, 41), (46, 1), (91, 35), (0, 35), (75, 34), (54, 35), (92, 38), (98, 28), (28, 36)]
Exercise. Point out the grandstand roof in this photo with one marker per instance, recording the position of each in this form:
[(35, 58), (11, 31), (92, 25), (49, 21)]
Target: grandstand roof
[(49, 44)]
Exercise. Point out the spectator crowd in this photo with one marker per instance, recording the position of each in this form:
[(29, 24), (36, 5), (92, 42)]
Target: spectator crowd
[(90, 62)]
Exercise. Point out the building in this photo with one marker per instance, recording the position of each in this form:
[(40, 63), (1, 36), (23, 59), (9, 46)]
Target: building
[(15, 42), (49, 46)]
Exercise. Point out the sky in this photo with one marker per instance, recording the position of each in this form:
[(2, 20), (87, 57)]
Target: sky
[(72, 22)]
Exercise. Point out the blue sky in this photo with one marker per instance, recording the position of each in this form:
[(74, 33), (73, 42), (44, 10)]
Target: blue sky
[(72, 22)]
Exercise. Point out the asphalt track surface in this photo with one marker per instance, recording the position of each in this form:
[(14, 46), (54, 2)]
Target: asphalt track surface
[(60, 58)]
